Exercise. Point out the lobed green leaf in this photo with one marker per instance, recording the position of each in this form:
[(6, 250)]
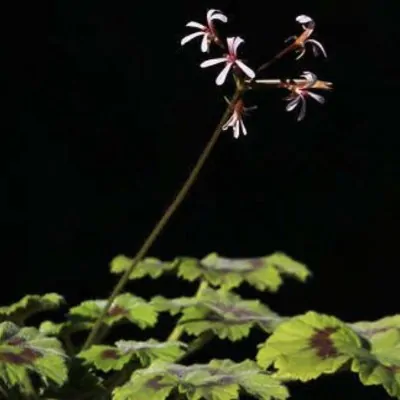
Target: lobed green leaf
[(108, 358), (218, 380), (126, 307), (262, 272), (26, 349), (306, 346), (29, 305), (150, 266)]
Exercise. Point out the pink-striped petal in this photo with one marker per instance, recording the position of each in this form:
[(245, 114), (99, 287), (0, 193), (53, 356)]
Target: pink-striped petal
[(293, 104), (230, 122), (303, 107), (247, 70), (236, 129), (244, 130), (212, 61), (193, 24), (317, 46), (190, 37), (237, 41), (222, 75), (204, 44), (317, 97), (302, 52), (220, 17), (216, 14), (229, 42), (304, 19), (310, 78), (210, 14)]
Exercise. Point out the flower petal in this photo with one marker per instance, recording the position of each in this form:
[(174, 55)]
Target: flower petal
[(193, 24), (244, 130), (237, 41), (229, 41), (204, 44), (236, 130), (293, 104), (215, 14), (317, 97), (302, 112), (212, 61), (317, 46), (304, 19), (310, 78), (190, 37), (247, 70), (222, 75), (302, 52), (219, 16), (231, 121)]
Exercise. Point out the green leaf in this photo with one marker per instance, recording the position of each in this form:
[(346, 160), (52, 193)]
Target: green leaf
[(381, 365), (262, 273), (227, 315), (105, 358), (173, 306), (369, 329), (61, 329), (26, 349), (152, 267), (306, 346), (30, 305), (152, 383), (108, 358), (81, 380), (125, 307), (252, 379), (152, 350), (219, 380)]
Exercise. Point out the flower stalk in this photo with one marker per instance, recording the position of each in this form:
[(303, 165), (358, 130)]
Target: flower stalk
[(92, 337), (244, 78)]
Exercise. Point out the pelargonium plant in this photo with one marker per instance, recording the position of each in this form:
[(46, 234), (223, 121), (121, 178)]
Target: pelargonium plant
[(49, 361)]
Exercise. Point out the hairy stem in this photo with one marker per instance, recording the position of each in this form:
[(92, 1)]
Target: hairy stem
[(277, 57), (178, 330), (280, 83), (163, 221), (196, 345), (69, 346)]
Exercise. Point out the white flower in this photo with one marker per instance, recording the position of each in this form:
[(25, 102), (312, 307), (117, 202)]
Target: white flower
[(308, 25), (299, 93), (235, 121), (230, 60), (207, 31)]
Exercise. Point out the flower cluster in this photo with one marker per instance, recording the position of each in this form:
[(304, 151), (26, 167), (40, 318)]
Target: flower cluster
[(244, 76), (299, 92)]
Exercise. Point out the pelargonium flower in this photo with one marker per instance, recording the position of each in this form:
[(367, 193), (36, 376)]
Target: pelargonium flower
[(235, 121), (207, 31), (308, 25), (230, 60), (299, 93)]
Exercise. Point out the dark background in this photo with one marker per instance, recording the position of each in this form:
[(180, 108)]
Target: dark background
[(113, 113)]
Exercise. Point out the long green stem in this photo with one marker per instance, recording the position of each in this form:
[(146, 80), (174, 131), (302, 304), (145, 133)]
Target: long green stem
[(163, 221)]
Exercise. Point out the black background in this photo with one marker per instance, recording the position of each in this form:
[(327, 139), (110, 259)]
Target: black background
[(113, 113)]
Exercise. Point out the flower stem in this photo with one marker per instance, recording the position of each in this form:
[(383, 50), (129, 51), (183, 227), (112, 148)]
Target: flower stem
[(196, 345), (277, 57), (281, 83), (162, 222)]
